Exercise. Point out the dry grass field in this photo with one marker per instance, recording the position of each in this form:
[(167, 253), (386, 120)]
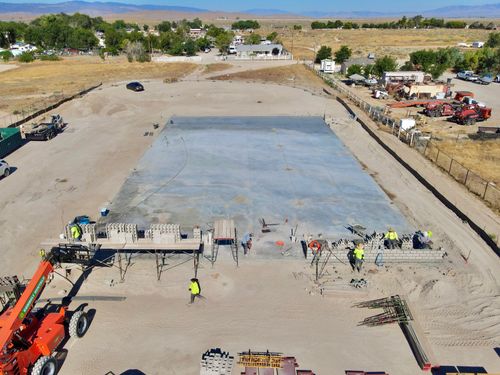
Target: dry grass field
[(293, 75), (216, 67), (35, 83), (397, 43)]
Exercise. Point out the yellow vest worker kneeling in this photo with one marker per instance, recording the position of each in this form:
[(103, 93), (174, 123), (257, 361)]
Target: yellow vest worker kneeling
[(391, 239), (76, 232)]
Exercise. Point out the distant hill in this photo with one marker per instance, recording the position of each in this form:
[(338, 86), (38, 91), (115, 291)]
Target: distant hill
[(92, 8), (106, 8), (466, 11)]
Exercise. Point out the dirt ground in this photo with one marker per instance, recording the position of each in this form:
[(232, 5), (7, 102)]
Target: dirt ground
[(260, 305), (397, 43), (480, 156), (41, 82)]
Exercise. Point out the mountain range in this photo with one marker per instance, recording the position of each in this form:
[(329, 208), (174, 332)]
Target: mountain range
[(102, 8)]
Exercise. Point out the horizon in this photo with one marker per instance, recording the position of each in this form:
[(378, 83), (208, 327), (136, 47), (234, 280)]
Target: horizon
[(294, 6)]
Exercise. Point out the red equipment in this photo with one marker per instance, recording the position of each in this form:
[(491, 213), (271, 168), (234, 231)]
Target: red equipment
[(28, 339), (469, 114), (439, 109)]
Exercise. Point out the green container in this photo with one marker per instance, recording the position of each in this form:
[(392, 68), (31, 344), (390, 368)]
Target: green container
[(10, 139)]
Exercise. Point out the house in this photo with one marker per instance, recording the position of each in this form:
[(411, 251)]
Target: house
[(258, 50), (327, 66), (363, 61), (238, 39), (19, 48), (101, 38), (478, 44), (392, 77), (197, 33)]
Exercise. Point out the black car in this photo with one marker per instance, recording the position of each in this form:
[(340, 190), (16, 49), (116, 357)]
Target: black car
[(135, 86)]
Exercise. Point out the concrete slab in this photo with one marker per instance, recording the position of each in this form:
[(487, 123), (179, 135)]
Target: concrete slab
[(289, 170)]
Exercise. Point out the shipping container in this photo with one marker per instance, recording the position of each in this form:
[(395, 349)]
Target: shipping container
[(10, 140)]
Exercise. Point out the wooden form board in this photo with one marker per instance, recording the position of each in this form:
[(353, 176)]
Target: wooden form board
[(224, 230)]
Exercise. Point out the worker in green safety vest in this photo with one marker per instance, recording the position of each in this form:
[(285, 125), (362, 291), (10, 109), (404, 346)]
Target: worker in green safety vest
[(391, 239), (195, 289), (359, 256), (76, 232)]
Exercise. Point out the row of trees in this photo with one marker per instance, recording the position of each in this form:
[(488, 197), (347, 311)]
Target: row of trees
[(404, 23), (58, 31), (245, 25)]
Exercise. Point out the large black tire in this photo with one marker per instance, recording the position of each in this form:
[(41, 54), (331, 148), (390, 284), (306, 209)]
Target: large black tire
[(45, 366), (6, 172), (79, 324)]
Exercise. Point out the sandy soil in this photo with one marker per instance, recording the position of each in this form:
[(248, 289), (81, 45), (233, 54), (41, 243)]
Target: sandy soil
[(261, 305)]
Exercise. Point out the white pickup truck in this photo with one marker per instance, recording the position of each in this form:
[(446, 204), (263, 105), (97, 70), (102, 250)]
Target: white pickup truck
[(4, 168)]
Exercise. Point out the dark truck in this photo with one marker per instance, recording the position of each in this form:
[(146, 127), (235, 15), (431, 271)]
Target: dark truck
[(45, 130)]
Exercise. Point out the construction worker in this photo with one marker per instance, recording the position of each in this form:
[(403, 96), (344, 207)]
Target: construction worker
[(76, 231), (359, 256), (246, 243), (195, 289), (422, 239), (391, 239)]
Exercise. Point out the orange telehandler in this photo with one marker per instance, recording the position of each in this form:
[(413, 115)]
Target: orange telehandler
[(28, 337)]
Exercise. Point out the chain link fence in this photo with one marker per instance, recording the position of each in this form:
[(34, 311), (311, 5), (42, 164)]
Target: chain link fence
[(487, 190), (41, 106)]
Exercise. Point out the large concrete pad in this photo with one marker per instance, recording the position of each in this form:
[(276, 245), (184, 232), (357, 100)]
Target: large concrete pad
[(288, 170)]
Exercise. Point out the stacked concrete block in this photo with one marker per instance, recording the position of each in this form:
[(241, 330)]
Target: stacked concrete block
[(164, 233), (88, 233), (121, 232), (197, 233), (216, 362), (395, 255)]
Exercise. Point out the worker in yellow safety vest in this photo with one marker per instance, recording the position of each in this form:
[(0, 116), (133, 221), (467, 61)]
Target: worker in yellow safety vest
[(359, 256), (195, 289), (391, 239), (76, 232)]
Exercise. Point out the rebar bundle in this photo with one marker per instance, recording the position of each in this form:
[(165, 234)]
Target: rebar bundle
[(395, 311)]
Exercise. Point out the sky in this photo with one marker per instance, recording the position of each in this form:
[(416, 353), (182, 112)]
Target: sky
[(299, 5)]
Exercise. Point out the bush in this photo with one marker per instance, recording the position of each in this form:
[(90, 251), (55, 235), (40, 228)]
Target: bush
[(6, 55), (245, 25), (354, 69), (493, 40), (49, 57), (26, 57)]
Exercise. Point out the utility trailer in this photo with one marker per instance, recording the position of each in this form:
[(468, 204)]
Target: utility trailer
[(43, 131)]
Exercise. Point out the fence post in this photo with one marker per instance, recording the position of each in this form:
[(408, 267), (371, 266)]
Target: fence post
[(466, 177), (437, 156), (485, 189), (451, 163)]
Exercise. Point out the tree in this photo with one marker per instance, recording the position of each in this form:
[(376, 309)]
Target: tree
[(368, 69), (252, 39), (190, 47), (145, 28), (315, 25), (342, 54), (164, 26), (354, 69), (136, 50), (384, 64), (493, 40), (423, 59), (245, 25), (222, 42), (272, 37), (323, 53)]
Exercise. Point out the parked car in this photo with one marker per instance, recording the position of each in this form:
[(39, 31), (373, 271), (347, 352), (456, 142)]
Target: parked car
[(4, 168), (467, 75), (370, 82), (135, 86), (497, 78), (485, 80)]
